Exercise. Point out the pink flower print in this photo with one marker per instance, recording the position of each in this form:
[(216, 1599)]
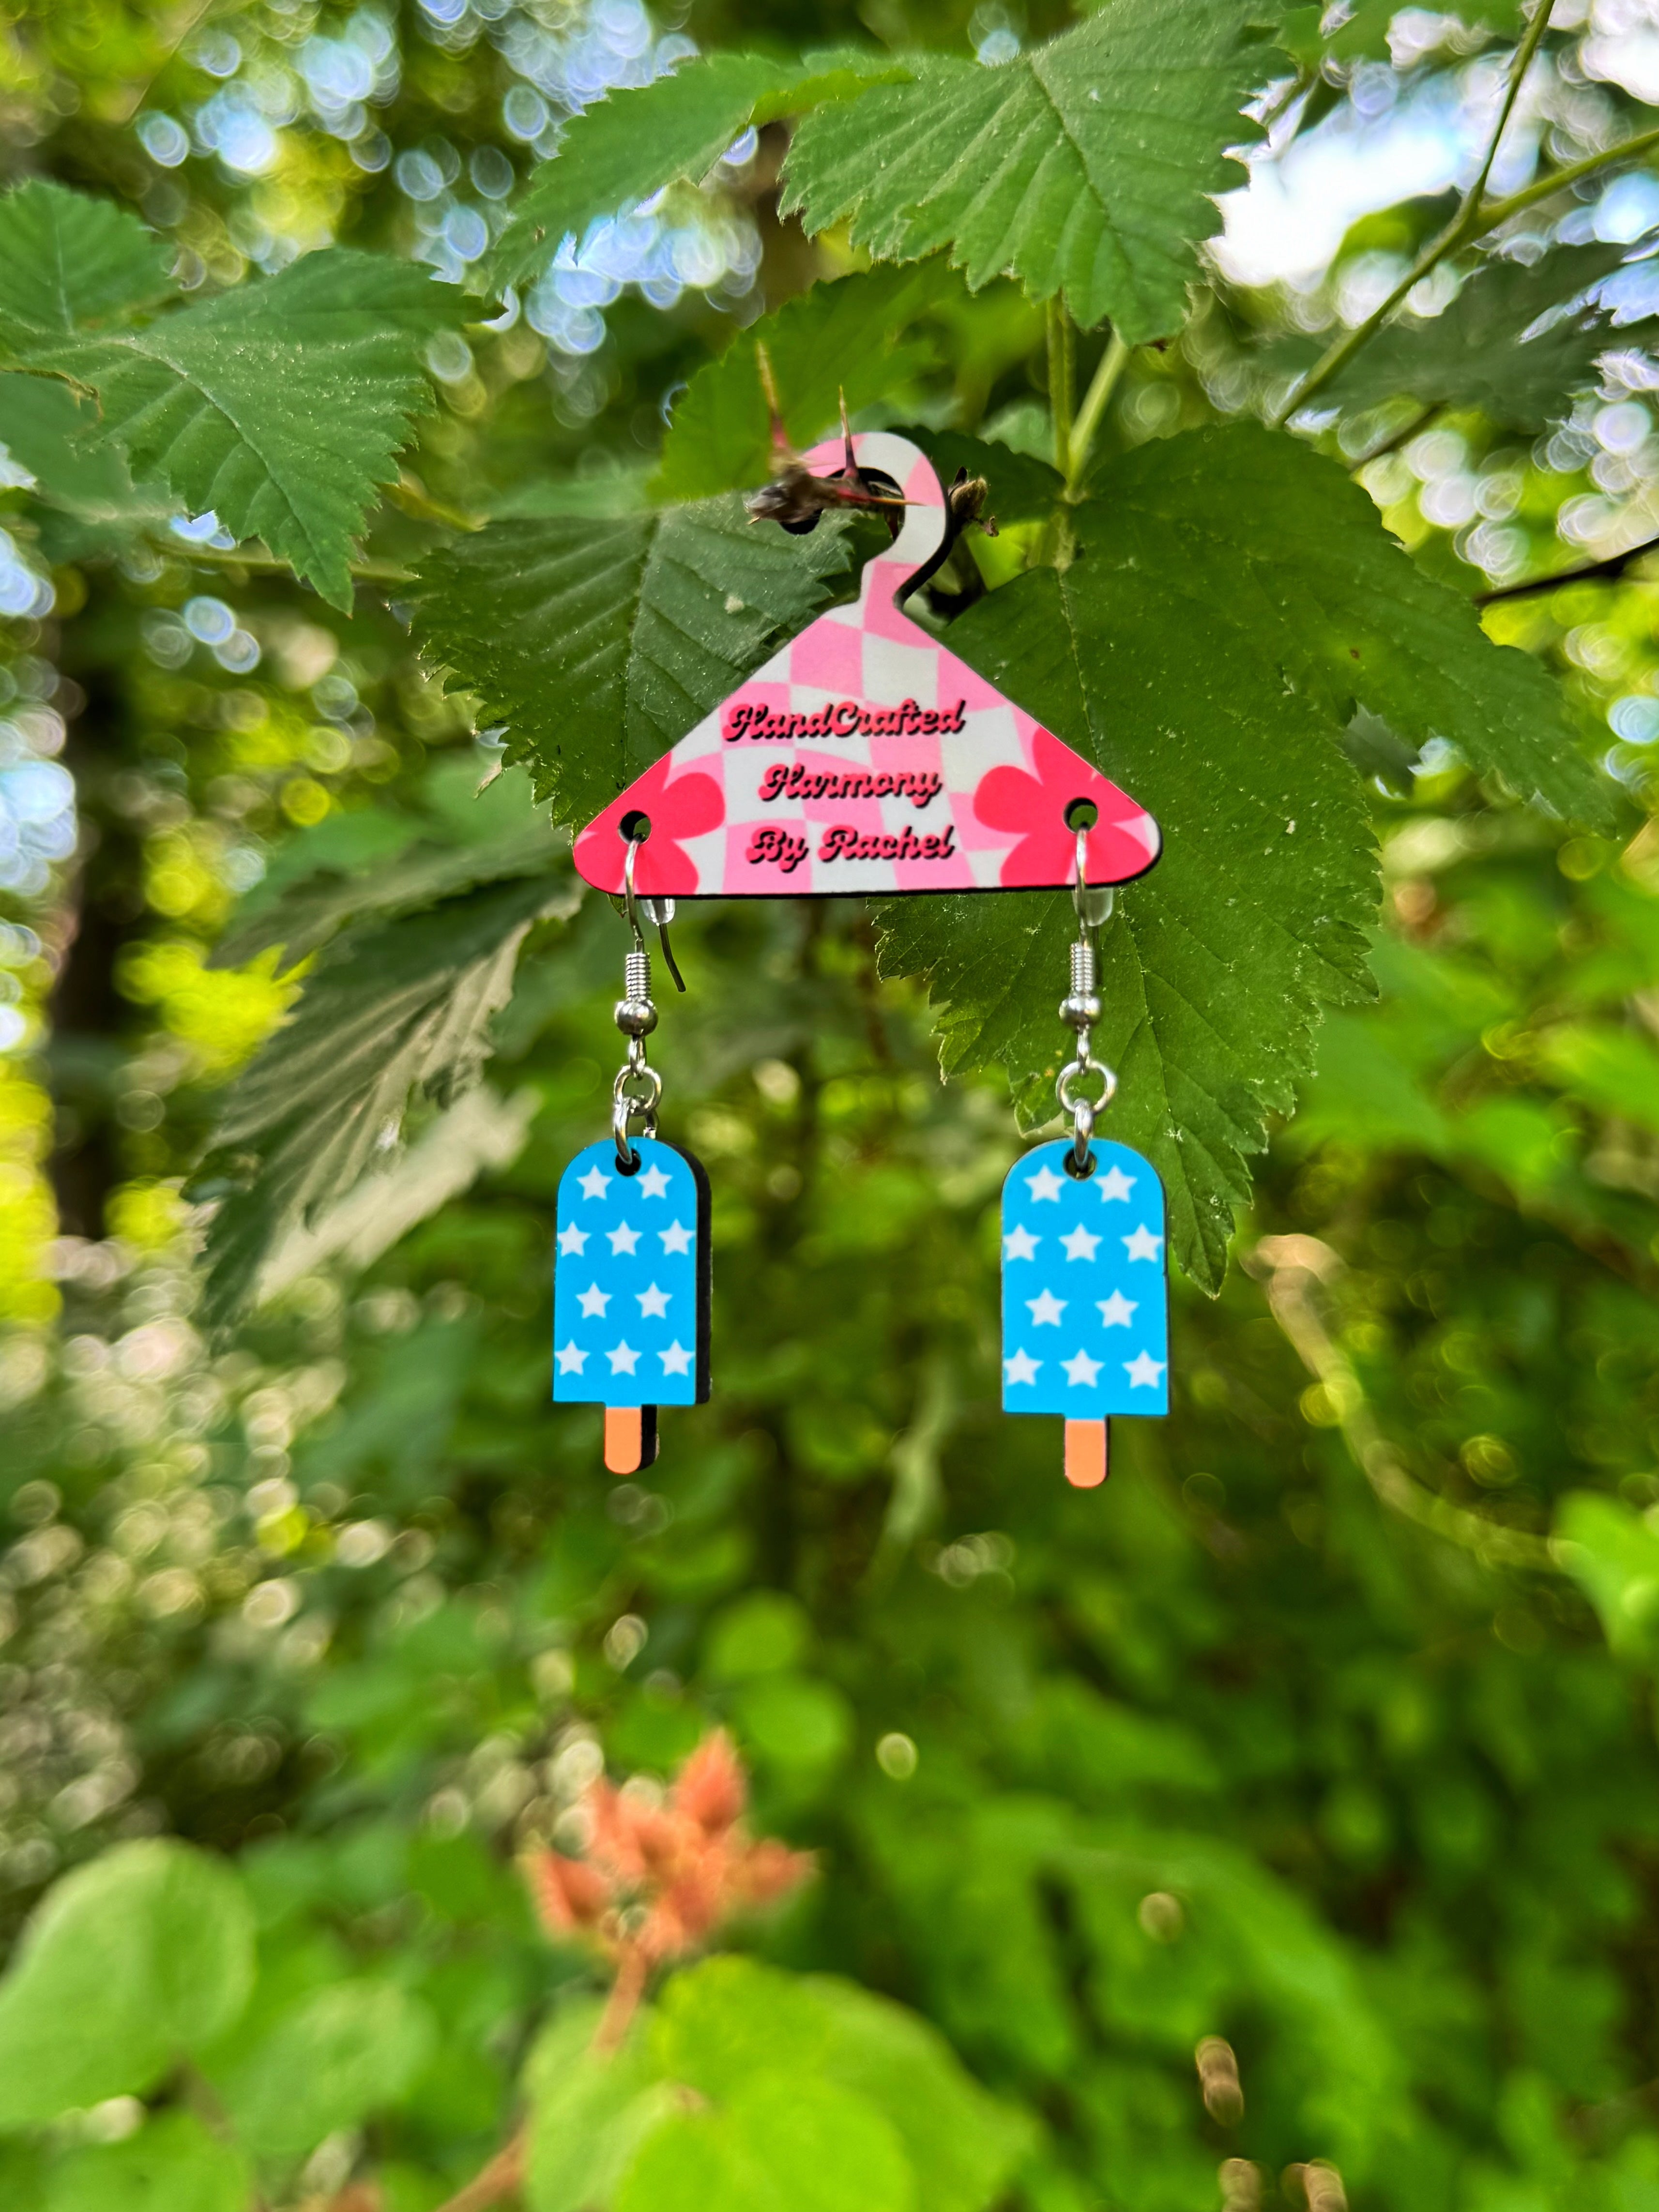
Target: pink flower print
[(688, 804), (1123, 843)]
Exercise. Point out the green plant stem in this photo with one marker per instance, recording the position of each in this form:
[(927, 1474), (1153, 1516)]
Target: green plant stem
[(1062, 380), (1396, 439), (1095, 399), (268, 564), (1501, 210), (502, 2176), (1293, 1270), (1594, 571), (1466, 224)]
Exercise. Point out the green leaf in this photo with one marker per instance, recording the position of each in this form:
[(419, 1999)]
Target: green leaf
[(623, 149), (280, 405), (1234, 597), (1616, 1071), (1216, 968), (760, 1633), (598, 644), (720, 2023), (841, 337), (172, 2165), (1613, 1554), (68, 262), (785, 2143), (52, 431), (1363, 34), (1300, 566), (307, 915), (1472, 353), (1087, 167), (330, 2061), (731, 2022), (589, 2111), (961, 2142), (793, 1723), (143, 1956), (392, 1007)]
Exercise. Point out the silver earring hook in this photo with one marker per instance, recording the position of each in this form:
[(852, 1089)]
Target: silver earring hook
[(630, 905), (1092, 904), (1080, 1010), (659, 912)]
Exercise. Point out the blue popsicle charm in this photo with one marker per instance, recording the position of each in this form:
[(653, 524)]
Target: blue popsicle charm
[(630, 1293), (1085, 1319)]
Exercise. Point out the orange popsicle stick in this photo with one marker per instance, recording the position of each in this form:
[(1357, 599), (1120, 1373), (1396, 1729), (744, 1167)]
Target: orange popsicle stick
[(630, 1438), (1087, 1451)]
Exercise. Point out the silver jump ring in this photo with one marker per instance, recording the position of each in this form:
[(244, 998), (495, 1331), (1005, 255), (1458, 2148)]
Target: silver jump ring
[(636, 1093), (1072, 1074)]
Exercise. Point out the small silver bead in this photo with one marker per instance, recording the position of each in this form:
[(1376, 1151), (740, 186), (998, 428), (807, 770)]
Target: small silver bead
[(635, 1018)]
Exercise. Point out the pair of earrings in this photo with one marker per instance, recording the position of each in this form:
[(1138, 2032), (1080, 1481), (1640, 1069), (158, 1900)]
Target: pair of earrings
[(865, 757)]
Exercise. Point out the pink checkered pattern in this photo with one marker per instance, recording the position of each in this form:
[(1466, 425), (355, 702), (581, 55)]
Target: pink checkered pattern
[(996, 821)]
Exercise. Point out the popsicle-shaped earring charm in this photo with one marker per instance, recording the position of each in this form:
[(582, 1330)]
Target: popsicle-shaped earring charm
[(631, 1267), (1085, 1323), (630, 1292)]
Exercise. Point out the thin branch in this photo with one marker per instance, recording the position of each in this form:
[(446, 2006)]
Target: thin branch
[(503, 2176), (1062, 380), (268, 564), (1095, 399), (1528, 46), (1594, 571), (1407, 430), (632, 1972), (412, 497), (1501, 210), (189, 19), (1291, 1268), (1464, 225)]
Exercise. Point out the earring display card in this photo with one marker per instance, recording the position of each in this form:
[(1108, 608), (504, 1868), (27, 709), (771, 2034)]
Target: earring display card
[(631, 1279), (865, 757), (1085, 1319)]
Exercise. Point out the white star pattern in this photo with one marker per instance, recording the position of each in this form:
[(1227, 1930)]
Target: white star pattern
[(628, 1321), (1081, 1292)]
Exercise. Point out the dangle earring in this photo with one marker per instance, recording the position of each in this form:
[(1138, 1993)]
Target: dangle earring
[(1085, 1323), (631, 1266), (864, 757)]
